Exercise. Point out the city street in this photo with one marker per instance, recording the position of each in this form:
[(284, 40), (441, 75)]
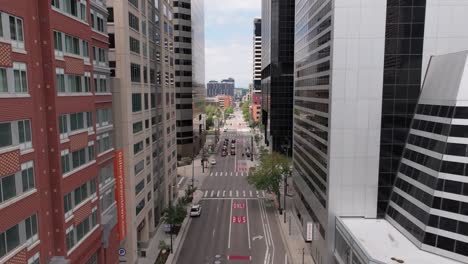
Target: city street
[(237, 224)]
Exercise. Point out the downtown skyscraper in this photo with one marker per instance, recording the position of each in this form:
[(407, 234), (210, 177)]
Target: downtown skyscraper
[(277, 31), (189, 41), (141, 37), (357, 85), (257, 55)]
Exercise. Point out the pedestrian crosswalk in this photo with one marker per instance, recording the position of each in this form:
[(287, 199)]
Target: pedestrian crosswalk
[(229, 174), (208, 194)]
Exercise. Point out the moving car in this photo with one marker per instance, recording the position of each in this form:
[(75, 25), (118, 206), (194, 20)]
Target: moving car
[(233, 146), (224, 154), (225, 129), (233, 152), (195, 210), (233, 140), (213, 162)]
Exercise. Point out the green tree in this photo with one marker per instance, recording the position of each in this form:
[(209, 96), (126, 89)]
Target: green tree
[(269, 174), (174, 215), (228, 111)]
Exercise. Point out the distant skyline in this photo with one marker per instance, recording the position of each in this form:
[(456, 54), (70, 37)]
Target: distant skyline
[(228, 39)]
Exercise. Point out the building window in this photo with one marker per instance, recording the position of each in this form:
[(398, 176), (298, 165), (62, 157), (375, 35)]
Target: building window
[(72, 45), (7, 188), (134, 45), (24, 133), (139, 187), (107, 199), (140, 206), (136, 102), (104, 142), (58, 43), (133, 21), (67, 205), (77, 121), (75, 8), (31, 229), (139, 167), (137, 127), (69, 237), (20, 77), (60, 80), (77, 158), (16, 133), (106, 174), (9, 240), (27, 176), (104, 117), (85, 46), (137, 147), (16, 32), (135, 72)]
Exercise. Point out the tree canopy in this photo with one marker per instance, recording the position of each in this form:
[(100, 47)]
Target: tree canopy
[(269, 174)]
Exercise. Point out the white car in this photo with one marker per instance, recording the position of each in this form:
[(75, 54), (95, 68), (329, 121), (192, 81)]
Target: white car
[(195, 210), (213, 162), (225, 129)]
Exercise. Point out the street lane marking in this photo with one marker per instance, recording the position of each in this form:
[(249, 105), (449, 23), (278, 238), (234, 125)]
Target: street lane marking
[(263, 192), (231, 173), (230, 223), (237, 193), (217, 194), (211, 174), (257, 194), (224, 193), (216, 174), (248, 221), (230, 193), (250, 193), (212, 192), (206, 194), (243, 193)]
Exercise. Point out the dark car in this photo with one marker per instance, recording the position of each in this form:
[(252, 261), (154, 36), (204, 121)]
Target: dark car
[(233, 140), (233, 146), (233, 152), (224, 154)]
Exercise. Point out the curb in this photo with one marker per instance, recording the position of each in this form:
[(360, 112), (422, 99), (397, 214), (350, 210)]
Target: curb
[(172, 259), (283, 235)]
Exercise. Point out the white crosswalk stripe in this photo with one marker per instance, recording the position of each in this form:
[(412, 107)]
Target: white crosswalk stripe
[(231, 173), (248, 194), (211, 174), (216, 174)]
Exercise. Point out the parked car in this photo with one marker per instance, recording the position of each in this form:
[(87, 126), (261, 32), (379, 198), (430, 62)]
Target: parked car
[(195, 210), (225, 129)]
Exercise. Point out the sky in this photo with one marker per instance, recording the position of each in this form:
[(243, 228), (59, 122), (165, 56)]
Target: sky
[(228, 39)]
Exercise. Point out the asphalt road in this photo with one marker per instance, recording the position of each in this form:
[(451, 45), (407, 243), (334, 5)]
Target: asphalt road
[(237, 224)]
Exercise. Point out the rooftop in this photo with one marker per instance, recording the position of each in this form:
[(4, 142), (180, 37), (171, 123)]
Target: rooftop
[(382, 241)]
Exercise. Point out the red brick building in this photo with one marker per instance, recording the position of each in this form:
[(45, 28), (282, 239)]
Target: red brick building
[(57, 201), (256, 107)]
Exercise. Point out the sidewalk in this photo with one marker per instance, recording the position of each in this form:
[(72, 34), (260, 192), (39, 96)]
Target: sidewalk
[(294, 241)]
